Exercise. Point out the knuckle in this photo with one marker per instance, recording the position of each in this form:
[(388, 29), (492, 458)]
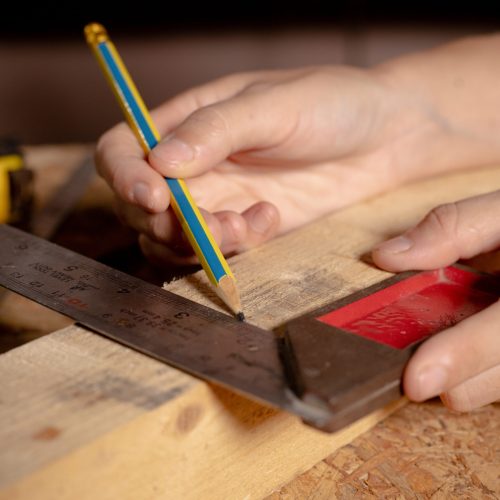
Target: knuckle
[(456, 223), (212, 118), (238, 228), (261, 86), (238, 77), (445, 220), (445, 217), (236, 81)]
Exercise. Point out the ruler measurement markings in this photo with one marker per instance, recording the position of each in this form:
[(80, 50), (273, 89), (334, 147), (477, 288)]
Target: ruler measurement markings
[(156, 322)]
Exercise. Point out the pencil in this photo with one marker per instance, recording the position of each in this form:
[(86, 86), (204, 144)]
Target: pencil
[(184, 207)]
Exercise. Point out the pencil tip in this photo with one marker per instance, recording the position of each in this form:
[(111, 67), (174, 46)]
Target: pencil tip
[(228, 292)]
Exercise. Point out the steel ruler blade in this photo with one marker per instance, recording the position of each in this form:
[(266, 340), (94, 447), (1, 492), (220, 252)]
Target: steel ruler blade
[(182, 333)]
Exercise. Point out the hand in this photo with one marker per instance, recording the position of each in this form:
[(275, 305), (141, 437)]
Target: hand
[(266, 152), (308, 141), (462, 364)]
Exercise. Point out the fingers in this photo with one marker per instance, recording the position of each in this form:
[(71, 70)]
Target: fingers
[(249, 229), (462, 364), (211, 134), (120, 161), (457, 361), (478, 391), (162, 227), (448, 233), (163, 256), (162, 239)]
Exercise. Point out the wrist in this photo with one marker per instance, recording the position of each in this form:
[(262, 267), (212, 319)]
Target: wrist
[(445, 100)]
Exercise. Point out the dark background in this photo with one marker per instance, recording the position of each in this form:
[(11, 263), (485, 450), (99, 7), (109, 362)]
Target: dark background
[(55, 18), (52, 91)]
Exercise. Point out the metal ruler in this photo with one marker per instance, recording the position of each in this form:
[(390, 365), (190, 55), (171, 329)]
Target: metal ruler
[(182, 333), (46, 222)]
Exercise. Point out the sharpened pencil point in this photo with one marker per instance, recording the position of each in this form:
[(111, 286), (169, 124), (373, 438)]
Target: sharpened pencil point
[(228, 292), (240, 316)]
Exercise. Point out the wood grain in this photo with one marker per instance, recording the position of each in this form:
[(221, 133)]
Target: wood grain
[(82, 417)]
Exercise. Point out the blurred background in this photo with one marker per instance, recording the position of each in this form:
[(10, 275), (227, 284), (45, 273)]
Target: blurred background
[(51, 90)]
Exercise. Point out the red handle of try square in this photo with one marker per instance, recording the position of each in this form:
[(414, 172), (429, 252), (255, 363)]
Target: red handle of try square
[(414, 308)]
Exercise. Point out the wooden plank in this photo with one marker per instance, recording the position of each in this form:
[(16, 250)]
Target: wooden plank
[(124, 426), (83, 417)]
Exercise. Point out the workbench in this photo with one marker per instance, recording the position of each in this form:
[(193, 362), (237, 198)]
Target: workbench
[(83, 417)]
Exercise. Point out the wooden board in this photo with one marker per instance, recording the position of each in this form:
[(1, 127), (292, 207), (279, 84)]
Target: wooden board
[(81, 416)]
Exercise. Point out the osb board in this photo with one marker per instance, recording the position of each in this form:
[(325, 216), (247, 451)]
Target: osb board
[(422, 451)]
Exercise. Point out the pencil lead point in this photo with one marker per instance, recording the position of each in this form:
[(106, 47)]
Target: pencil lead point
[(240, 316)]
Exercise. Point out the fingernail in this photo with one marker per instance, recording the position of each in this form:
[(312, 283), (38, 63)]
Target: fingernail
[(173, 151), (142, 195), (261, 220), (432, 381), (395, 245)]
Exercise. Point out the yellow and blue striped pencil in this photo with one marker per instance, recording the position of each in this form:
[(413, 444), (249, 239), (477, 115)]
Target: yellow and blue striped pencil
[(184, 207)]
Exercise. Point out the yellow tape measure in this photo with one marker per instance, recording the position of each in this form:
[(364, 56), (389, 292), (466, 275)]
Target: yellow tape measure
[(8, 163)]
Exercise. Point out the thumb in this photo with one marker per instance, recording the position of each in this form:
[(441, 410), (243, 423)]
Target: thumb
[(212, 133), (449, 232)]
